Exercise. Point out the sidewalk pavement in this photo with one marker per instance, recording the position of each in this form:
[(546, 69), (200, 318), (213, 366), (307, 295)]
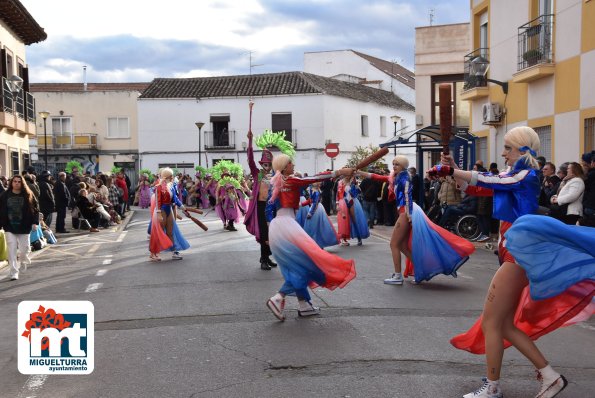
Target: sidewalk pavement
[(75, 232)]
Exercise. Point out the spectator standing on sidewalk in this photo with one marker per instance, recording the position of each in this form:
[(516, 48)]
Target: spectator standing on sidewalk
[(47, 204), (19, 214), (121, 184), (370, 189), (62, 198), (588, 163)]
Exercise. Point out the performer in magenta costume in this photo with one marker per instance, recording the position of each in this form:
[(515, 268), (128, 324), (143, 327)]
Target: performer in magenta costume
[(301, 261), (255, 218), (510, 316)]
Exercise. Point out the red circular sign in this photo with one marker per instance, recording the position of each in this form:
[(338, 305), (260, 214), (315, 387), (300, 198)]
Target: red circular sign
[(331, 150)]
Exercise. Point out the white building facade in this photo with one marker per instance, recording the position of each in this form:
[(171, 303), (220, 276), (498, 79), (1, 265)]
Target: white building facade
[(313, 111)]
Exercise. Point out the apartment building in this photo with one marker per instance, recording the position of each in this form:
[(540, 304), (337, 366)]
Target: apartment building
[(534, 67)]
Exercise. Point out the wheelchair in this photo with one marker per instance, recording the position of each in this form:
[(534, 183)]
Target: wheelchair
[(466, 226)]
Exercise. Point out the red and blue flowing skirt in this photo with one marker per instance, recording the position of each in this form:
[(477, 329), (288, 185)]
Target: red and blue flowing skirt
[(321, 229), (301, 261), (559, 260)]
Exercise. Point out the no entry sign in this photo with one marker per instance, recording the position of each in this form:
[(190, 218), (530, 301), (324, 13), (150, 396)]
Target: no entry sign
[(331, 150)]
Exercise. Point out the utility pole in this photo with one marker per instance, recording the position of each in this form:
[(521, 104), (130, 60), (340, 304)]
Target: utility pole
[(431, 16)]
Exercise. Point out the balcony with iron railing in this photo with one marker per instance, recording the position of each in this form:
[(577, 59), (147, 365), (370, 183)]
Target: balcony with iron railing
[(223, 139), (68, 141), (18, 111), (535, 58), (475, 84)]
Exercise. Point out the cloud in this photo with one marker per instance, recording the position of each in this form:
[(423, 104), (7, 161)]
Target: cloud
[(213, 37)]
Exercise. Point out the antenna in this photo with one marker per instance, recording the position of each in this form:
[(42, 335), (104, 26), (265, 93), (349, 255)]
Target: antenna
[(431, 16), (251, 64)]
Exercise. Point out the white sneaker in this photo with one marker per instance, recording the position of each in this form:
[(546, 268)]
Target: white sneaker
[(395, 279), (277, 304), (487, 390), (176, 256), (482, 238), (550, 388), (14, 277), (307, 309)]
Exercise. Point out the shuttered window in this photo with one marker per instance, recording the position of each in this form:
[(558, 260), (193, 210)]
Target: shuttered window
[(589, 134), (282, 122), (545, 141)]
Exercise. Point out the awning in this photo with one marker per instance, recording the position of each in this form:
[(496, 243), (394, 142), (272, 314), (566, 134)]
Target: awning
[(431, 132)]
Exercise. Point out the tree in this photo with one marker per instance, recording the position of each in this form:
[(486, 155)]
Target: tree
[(362, 152)]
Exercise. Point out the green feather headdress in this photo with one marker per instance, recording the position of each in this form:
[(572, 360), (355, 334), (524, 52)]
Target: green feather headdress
[(71, 164), (115, 170), (148, 173), (270, 139), (217, 170), (201, 170), (229, 180)]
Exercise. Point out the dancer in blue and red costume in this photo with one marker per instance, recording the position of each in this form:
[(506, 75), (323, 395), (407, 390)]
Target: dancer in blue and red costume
[(510, 315), (431, 249), (165, 234), (301, 261), (351, 219), (317, 223)]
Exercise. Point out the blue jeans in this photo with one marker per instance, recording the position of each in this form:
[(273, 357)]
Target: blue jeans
[(369, 210)]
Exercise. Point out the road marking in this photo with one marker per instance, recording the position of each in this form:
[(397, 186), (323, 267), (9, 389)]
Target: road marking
[(32, 385), (585, 326), (107, 261), (93, 248), (122, 236), (93, 287), (101, 272)]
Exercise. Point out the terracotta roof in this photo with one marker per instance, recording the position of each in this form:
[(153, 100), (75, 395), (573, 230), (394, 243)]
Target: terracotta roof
[(74, 87), (18, 19), (395, 70), (286, 83)]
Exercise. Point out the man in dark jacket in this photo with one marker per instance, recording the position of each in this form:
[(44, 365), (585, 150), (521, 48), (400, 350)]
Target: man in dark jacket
[(588, 163), (549, 185), (62, 198), (47, 204), (326, 194), (370, 190)]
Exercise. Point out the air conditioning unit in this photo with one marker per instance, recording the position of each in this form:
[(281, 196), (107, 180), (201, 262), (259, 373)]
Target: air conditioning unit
[(492, 113)]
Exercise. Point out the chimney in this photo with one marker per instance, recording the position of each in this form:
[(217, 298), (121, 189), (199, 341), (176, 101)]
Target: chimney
[(84, 77)]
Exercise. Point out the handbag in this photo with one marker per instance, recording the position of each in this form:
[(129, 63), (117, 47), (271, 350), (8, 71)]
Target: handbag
[(3, 247), (558, 211)]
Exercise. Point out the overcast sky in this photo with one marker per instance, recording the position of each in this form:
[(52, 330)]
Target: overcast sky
[(139, 40)]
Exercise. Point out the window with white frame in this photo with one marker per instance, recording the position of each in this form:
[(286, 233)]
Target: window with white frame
[(545, 141), (117, 127), (61, 125), (364, 125), (383, 126)]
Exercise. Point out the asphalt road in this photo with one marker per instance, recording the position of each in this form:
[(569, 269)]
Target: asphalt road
[(199, 327)]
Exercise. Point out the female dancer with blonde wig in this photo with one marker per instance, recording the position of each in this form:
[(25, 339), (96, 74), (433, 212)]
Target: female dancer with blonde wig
[(509, 316), (431, 249), (163, 218), (301, 261)]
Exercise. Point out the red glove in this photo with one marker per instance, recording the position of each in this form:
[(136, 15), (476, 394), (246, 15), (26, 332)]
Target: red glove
[(441, 171)]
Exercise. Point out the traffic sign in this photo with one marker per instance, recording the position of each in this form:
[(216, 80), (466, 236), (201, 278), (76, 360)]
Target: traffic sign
[(331, 150)]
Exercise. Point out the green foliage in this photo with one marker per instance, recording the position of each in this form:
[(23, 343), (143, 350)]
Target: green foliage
[(362, 152), (269, 139), (74, 163)]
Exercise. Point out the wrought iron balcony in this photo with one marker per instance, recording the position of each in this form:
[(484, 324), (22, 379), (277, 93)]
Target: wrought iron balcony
[(68, 141), (535, 42), (223, 139)]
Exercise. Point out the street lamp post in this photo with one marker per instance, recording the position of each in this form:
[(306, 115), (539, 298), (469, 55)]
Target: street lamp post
[(395, 119), (199, 125), (44, 115)]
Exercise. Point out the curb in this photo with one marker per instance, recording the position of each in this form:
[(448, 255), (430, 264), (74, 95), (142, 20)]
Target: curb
[(33, 254)]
